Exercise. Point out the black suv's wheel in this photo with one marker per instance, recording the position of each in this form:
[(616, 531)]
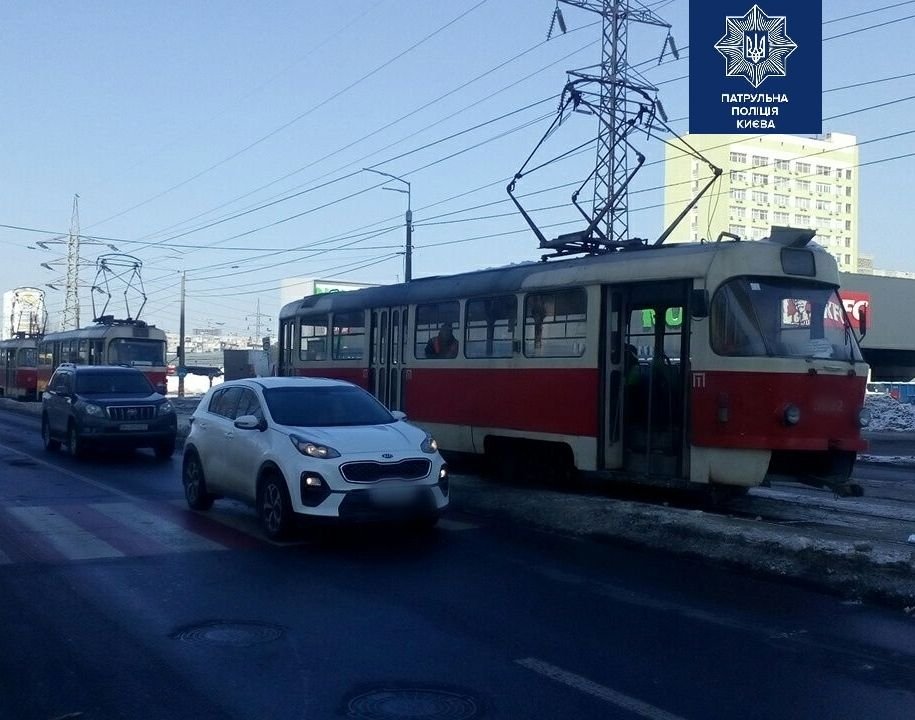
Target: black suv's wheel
[(74, 443), (164, 449), (195, 487), (50, 444), (274, 507)]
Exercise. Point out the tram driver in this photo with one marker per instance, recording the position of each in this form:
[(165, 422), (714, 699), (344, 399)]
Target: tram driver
[(443, 345)]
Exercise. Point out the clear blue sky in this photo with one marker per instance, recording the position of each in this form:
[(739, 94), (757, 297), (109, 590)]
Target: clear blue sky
[(120, 102)]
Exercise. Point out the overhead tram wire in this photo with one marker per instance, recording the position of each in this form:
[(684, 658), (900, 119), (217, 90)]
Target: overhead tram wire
[(858, 30), (868, 108), (218, 291), (869, 12), (301, 115), (250, 93), (359, 162), (477, 189), (168, 241), (360, 192)]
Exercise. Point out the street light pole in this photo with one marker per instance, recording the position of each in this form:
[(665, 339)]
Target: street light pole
[(181, 369), (408, 222)]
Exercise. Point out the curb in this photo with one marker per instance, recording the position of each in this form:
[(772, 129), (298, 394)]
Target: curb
[(861, 570)]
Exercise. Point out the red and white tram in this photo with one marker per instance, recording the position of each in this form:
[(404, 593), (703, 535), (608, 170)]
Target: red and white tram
[(108, 342), (719, 363), (18, 371)]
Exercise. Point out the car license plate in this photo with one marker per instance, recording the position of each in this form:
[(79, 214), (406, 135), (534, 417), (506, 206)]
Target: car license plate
[(133, 427), (394, 497)]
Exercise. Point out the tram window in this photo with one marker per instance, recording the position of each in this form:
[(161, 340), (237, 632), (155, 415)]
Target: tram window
[(45, 354), (28, 357), (313, 338), (127, 351), (555, 324), (437, 330), (349, 335), (775, 317), (490, 327), (82, 356)]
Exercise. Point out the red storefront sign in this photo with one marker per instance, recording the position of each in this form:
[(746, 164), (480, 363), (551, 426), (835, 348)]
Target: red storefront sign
[(854, 302)]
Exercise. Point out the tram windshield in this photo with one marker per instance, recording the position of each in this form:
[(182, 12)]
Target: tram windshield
[(127, 351), (776, 317), (28, 357)]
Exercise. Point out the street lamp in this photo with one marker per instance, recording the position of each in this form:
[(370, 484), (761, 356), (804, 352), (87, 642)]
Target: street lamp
[(408, 222)]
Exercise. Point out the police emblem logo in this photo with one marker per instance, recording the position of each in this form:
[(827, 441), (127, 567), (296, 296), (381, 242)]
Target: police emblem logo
[(756, 46)]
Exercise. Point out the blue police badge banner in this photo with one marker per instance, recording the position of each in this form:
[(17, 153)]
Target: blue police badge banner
[(756, 68)]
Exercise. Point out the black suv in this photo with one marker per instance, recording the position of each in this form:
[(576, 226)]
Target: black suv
[(101, 405)]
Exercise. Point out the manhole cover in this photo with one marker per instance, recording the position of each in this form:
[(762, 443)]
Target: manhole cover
[(230, 634), (412, 704)]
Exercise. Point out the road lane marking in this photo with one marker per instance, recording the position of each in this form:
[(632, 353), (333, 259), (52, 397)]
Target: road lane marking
[(582, 684), (456, 525), (75, 475), (165, 532), (65, 536)]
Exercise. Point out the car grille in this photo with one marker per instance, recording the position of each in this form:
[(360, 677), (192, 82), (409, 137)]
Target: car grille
[(370, 471), (131, 412)]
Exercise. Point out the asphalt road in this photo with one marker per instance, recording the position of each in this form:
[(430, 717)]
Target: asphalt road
[(117, 602)]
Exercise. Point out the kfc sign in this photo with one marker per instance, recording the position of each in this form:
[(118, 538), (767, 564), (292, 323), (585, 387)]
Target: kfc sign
[(853, 303)]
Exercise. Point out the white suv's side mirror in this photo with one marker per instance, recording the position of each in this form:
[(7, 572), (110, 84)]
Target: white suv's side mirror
[(399, 414), (247, 422)]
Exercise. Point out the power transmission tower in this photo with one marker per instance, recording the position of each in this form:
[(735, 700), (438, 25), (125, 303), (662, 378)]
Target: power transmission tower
[(617, 81), (70, 319), (257, 317)]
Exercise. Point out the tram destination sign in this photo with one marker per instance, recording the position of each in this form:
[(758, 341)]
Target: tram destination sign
[(756, 68)]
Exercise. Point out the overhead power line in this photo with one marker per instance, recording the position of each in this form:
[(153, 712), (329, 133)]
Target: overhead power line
[(302, 115)]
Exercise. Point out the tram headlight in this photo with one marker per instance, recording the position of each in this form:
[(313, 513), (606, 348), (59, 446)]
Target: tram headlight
[(864, 417), (792, 415)]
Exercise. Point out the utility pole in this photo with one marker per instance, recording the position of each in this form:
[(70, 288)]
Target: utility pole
[(181, 367), (70, 320), (617, 80), (408, 222)]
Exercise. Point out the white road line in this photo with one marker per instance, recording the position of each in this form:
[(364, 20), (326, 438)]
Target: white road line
[(449, 524), (163, 531), (601, 692), (68, 538), (69, 473)]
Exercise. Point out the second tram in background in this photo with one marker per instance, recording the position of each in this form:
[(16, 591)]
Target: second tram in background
[(18, 368), (721, 363), (108, 342)]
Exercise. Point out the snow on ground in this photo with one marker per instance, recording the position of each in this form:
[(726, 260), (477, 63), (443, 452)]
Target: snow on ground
[(888, 414), (193, 384), (888, 459)]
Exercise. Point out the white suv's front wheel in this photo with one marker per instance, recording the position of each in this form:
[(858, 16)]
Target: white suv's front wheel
[(275, 507)]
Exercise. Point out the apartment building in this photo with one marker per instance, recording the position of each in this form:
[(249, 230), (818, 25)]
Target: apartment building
[(769, 180)]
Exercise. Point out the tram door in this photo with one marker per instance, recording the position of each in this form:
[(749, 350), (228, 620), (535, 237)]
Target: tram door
[(647, 361), (386, 361)]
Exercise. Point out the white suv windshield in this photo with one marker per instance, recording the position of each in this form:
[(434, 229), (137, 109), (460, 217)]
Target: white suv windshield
[(325, 406), (781, 317)]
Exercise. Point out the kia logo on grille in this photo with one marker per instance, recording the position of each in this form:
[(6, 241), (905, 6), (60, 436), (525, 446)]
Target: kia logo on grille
[(386, 455)]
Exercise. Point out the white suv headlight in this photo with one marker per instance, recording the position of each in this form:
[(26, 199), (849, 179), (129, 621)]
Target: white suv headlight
[(313, 449), (429, 445), (166, 408)]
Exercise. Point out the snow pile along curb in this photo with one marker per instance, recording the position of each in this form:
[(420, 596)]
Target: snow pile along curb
[(888, 414), (858, 568)]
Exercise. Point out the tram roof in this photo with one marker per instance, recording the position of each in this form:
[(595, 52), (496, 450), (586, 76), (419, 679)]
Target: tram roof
[(93, 332), (680, 260)]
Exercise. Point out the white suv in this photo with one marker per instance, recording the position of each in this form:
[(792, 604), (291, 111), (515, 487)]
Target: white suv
[(310, 446)]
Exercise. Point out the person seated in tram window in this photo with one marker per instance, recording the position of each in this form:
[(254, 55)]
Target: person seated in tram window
[(443, 345)]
